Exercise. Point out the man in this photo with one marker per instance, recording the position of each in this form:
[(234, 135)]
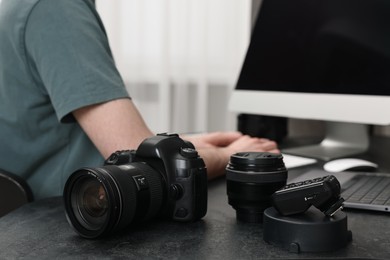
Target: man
[(63, 102)]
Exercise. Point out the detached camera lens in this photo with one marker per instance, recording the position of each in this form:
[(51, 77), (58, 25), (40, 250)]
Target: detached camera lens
[(252, 178), (99, 201)]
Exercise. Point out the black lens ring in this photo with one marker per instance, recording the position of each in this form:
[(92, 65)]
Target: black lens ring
[(125, 201), (257, 159), (138, 205), (122, 177), (113, 198), (156, 188), (256, 177), (128, 197)]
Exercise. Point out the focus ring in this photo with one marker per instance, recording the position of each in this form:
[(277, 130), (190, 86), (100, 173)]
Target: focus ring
[(155, 188), (128, 196)]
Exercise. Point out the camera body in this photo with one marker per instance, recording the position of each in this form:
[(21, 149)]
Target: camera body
[(182, 169), (164, 177)]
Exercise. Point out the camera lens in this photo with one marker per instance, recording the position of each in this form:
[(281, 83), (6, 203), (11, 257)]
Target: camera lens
[(99, 201), (251, 179)]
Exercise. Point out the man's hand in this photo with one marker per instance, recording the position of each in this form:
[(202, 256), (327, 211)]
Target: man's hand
[(216, 148), (214, 139)]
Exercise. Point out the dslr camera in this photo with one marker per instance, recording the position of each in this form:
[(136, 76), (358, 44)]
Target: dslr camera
[(164, 177)]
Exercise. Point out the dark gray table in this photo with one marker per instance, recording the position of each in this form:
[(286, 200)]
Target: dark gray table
[(40, 230)]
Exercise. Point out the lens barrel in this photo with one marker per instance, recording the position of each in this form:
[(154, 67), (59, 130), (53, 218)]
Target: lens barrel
[(102, 200), (251, 179)]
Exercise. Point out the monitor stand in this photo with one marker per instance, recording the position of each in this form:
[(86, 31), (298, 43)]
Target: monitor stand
[(341, 140)]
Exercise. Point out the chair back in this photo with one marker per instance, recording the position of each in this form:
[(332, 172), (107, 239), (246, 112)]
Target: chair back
[(14, 192)]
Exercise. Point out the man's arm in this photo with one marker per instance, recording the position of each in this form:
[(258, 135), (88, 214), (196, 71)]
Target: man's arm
[(113, 125), (117, 125)]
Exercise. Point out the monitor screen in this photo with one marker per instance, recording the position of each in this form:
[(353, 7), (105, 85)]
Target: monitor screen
[(318, 59)]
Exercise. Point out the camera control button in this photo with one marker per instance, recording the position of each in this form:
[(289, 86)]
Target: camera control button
[(181, 213), (176, 191), (141, 182), (189, 153), (168, 134)]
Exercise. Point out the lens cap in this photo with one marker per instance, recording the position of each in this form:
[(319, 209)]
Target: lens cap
[(258, 159), (256, 167)]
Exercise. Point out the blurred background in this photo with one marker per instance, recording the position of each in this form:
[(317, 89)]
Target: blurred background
[(179, 59)]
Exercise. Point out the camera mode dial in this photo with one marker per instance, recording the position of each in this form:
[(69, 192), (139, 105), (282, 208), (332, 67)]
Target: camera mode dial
[(188, 153), (119, 158)]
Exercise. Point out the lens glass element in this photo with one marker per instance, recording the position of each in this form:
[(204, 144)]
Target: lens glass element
[(90, 203), (94, 199)]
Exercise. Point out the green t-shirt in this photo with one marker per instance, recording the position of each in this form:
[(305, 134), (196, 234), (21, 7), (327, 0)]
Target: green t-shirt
[(54, 59)]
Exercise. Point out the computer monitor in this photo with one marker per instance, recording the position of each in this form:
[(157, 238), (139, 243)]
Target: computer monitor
[(324, 60)]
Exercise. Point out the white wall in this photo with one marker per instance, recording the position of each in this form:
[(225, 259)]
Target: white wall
[(179, 59)]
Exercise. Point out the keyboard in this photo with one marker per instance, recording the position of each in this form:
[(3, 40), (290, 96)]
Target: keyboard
[(360, 190), (368, 190)]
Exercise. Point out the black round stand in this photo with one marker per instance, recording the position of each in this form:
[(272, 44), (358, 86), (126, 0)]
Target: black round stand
[(308, 232)]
